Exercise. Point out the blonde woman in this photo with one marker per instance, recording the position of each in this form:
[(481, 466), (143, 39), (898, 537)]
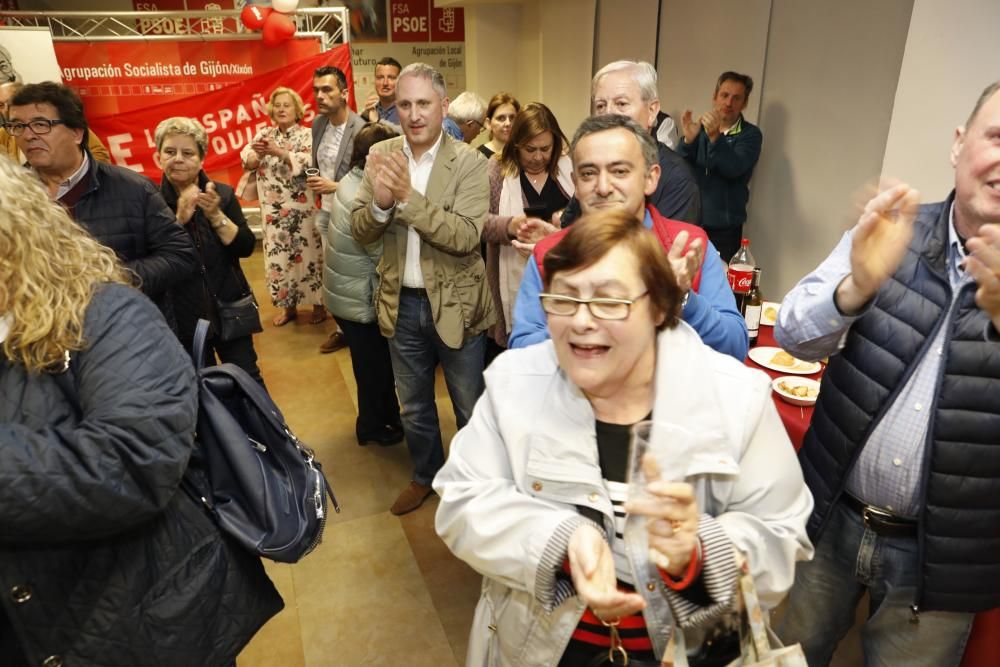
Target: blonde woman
[(103, 559), (293, 250)]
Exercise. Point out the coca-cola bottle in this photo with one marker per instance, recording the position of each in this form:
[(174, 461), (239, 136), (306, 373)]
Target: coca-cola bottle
[(753, 303), (741, 268)]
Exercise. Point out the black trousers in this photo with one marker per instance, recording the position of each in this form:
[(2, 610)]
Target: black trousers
[(726, 241), (378, 406)]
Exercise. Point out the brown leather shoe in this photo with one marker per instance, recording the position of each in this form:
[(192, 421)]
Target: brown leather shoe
[(410, 498), (335, 342)]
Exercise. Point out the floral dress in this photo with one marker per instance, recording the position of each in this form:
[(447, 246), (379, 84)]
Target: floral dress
[(293, 250)]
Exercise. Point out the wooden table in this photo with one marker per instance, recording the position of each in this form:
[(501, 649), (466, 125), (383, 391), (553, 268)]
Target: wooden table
[(983, 648)]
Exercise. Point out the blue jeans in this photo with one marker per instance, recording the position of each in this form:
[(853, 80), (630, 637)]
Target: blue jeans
[(851, 558), (416, 349)]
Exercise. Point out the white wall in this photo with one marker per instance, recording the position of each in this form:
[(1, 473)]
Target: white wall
[(626, 31), (952, 54), (565, 34), (826, 102), (491, 65), (701, 40), (538, 50)]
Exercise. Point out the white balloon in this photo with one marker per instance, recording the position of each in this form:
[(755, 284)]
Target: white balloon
[(284, 6)]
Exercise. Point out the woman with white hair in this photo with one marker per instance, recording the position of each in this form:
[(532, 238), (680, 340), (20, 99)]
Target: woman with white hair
[(468, 111), (213, 219), (293, 249)]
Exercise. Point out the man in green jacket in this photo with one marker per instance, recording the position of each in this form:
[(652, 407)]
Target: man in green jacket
[(426, 196)]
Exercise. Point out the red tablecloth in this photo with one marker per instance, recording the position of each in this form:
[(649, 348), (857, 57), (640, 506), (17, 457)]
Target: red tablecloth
[(795, 418), (983, 649)]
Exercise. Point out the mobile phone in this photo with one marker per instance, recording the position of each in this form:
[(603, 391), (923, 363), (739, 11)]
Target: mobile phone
[(537, 212)]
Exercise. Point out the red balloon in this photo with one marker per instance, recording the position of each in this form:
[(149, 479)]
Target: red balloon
[(253, 17), (278, 28)]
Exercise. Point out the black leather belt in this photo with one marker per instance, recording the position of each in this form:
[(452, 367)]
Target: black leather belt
[(880, 521), (414, 291)]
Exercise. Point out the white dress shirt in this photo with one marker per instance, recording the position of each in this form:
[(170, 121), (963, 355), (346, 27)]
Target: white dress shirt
[(420, 173)]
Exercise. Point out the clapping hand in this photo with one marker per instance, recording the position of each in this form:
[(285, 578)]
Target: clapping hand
[(983, 264), (592, 567), (711, 121), (878, 245), (671, 512), (390, 176), (689, 127), (369, 112), (209, 200), (187, 200), (685, 263)]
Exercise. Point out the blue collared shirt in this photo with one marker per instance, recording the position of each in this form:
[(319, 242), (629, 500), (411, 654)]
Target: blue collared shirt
[(711, 311), (389, 113), (889, 469)]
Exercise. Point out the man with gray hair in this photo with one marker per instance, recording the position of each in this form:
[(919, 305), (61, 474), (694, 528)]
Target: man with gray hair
[(628, 88), (468, 111), (615, 166), (425, 196)]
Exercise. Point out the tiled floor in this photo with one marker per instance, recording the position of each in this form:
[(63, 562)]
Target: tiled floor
[(380, 590)]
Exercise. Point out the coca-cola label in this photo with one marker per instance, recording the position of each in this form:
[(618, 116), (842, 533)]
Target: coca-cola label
[(740, 281)]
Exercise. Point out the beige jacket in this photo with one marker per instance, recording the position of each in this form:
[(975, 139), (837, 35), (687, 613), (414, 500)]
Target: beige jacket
[(450, 221)]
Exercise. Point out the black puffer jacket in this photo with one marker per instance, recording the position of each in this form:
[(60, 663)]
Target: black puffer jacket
[(124, 211), (103, 562), (960, 519), (223, 275)]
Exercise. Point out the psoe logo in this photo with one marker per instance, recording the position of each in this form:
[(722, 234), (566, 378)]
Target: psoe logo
[(447, 21)]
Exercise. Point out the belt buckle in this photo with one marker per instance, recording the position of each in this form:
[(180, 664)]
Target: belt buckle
[(871, 515)]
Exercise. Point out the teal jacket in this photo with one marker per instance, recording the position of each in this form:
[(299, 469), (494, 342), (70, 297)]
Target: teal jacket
[(349, 275)]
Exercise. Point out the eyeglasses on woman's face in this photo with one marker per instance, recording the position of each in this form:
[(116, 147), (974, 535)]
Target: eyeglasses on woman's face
[(602, 308)]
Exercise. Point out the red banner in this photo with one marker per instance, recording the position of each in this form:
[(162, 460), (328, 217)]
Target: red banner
[(231, 116), (113, 77)]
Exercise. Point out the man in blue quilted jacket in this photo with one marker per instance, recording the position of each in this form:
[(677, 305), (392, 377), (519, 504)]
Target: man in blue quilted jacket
[(902, 454)]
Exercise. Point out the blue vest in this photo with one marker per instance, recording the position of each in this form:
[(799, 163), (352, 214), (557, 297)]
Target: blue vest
[(959, 526)]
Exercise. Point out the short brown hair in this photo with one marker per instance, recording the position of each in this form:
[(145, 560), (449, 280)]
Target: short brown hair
[(745, 79), (531, 121), (594, 235)]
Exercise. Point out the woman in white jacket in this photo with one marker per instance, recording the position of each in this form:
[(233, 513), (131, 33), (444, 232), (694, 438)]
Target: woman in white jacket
[(534, 493)]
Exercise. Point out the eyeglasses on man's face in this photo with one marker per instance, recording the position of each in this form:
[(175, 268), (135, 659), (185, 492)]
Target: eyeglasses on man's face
[(601, 308), (38, 126)]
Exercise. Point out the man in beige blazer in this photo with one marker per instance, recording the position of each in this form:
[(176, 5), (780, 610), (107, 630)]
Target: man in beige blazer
[(425, 196)]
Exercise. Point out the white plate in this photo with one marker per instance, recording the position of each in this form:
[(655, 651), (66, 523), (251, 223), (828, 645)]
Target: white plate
[(792, 381), (764, 355), (769, 313)]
